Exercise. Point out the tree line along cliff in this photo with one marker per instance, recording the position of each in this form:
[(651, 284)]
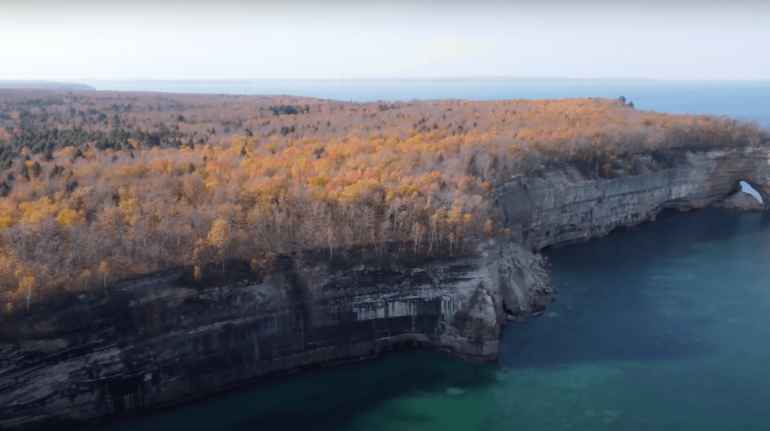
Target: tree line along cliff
[(99, 186)]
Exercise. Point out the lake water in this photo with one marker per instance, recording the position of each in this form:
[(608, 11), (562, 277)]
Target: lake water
[(745, 100), (661, 327)]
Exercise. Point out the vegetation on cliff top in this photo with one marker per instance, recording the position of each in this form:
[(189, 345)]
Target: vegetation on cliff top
[(99, 186)]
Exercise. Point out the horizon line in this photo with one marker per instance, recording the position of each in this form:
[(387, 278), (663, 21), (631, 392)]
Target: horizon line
[(437, 78)]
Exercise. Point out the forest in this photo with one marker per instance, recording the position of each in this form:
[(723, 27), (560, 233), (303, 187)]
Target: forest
[(100, 186)]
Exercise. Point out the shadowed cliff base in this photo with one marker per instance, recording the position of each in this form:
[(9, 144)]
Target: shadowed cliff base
[(248, 300), (601, 278), (154, 341)]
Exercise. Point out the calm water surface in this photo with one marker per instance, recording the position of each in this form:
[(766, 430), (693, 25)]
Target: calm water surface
[(745, 100), (663, 327)]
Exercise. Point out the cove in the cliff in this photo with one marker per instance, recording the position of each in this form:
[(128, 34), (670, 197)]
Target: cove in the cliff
[(663, 326)]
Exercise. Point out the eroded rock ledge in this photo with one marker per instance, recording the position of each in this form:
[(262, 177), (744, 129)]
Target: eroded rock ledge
[(156, 341), (562, 205)]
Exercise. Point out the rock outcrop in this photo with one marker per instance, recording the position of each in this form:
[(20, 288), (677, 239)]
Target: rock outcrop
[(564, 205), (161, 339), (157, 341), (740, 201)]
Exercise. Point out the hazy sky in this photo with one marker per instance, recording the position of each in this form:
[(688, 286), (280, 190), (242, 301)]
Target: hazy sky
[(121, 39)]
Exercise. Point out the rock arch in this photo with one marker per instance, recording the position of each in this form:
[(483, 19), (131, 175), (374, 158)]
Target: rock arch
[(562, 205), (747, 188)]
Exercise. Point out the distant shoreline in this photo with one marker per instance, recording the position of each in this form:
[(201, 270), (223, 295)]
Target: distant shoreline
[(741, 99), (45, 85)]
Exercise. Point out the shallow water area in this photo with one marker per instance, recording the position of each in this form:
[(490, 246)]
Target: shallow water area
[(663, 326)]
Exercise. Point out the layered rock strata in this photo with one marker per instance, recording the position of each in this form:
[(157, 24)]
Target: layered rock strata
[(563, 205), (159, 340), (156, 341)]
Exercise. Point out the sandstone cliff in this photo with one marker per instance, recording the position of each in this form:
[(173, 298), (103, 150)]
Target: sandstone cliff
[(159, 340), (156, 341), (563, 205)]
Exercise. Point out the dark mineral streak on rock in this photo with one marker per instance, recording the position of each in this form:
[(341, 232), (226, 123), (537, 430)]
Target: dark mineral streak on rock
[(165, 338), (564, 205)]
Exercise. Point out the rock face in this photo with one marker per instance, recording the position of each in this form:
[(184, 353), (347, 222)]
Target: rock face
[(741, 201), (155, 341), (566, 205), (158, 340)]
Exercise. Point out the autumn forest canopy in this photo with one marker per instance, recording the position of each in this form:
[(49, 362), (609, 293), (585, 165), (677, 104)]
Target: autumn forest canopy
[(99, 186)]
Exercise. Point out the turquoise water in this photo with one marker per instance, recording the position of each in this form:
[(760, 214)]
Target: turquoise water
[(662, 327)]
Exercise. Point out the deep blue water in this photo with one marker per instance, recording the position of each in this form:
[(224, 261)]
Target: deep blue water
[(662, 327), (745, 100)]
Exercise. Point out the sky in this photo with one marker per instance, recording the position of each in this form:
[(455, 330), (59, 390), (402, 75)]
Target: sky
[(337, 39)]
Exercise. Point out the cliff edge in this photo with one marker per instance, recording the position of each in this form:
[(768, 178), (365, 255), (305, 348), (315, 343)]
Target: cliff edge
[(163, 339)]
